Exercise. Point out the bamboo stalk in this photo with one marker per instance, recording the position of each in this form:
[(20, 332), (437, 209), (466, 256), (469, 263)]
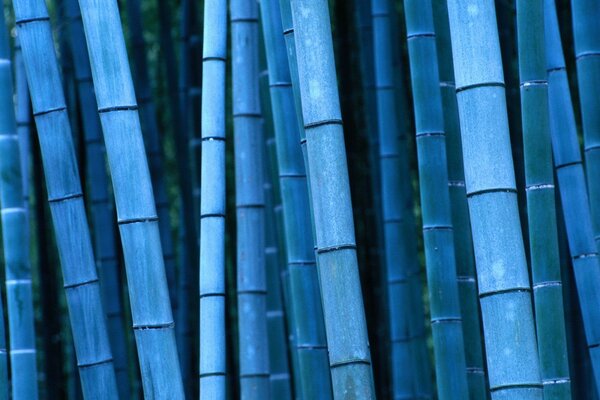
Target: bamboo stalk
[(502, 275), (136, 213), (213, 352), (66, 202), (571, 181)]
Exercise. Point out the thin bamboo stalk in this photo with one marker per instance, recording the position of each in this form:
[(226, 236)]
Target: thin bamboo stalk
[(250, 202), (571, 181), (66, 201), (136, 212), (213, 352), (502, 275), (586, 32), (23, 117), (463, 241), (345, 324), (310, 341)]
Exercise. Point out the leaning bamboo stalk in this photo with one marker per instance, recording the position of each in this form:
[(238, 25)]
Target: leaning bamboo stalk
[(213, 352), (136, 212), (310, 341), (541, 210), (15, 238), (438, 235), (463, 241), (249, 177), (343, 309), (571, 180), (502, 275), (66, 201)]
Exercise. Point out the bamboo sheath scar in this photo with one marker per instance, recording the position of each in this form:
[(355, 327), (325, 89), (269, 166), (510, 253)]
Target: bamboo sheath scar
[(136, 212), (66, 202), (502, 275), (571, 181)]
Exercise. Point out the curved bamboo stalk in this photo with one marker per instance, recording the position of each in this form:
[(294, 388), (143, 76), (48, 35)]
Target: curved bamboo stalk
[(213, 352), (438, 235), (250, 203), (586, 32), (15, 238), (463, 241), (66, 201), (571, 181), (502, 275), (343, 309), (539, 180), (138, 225)]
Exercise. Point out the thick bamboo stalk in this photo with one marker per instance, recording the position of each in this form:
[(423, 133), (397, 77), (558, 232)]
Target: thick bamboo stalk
[(15, 239), (463, 241), (136, 212), (586, 32), (213, 352), (66, 201), (438, 235), (571, 181), (310, 341), (502, 275), (539, 180), (102, 213), (345, 324), (250, 203)]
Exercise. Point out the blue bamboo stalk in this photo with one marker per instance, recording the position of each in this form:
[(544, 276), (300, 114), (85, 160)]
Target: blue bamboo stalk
[(502, 275), (571, 180), (23, 118), (66, 201), (213, 352)]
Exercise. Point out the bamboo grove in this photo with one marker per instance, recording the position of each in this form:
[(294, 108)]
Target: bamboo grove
[(300, 199)]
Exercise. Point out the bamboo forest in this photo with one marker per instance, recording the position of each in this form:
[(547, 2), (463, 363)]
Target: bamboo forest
[(300, 199)]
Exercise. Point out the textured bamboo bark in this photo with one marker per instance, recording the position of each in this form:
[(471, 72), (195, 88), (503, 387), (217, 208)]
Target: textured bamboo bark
[(502, 274), (136, 211), (66, 201), (571, 181)]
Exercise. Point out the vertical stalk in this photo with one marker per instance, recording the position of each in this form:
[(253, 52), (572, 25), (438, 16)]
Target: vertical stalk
[(571, 181), (136, 212), (502, 275), (250, 202), (66, 201), (213, 352), (349, 355)]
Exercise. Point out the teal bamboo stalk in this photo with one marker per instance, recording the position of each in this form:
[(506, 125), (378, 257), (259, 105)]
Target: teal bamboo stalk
[(396, 269), (586, 32), (136, 212), (23, 117), (102, 214), (66, 201), (250, 202), (310, 341), (541, 208), (349, 355), (502, 275), (213, 352), (15, 238), (438, 235), (463, 241), (571, 181)]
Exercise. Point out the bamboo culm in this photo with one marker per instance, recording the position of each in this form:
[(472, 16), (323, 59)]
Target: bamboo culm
[(463, 241), (310, 341), (213, 352), (136, 212), (502, 275), (15, 238), (571, 181), (250, 203), (66, 201), (349, 355), (586, 32)]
